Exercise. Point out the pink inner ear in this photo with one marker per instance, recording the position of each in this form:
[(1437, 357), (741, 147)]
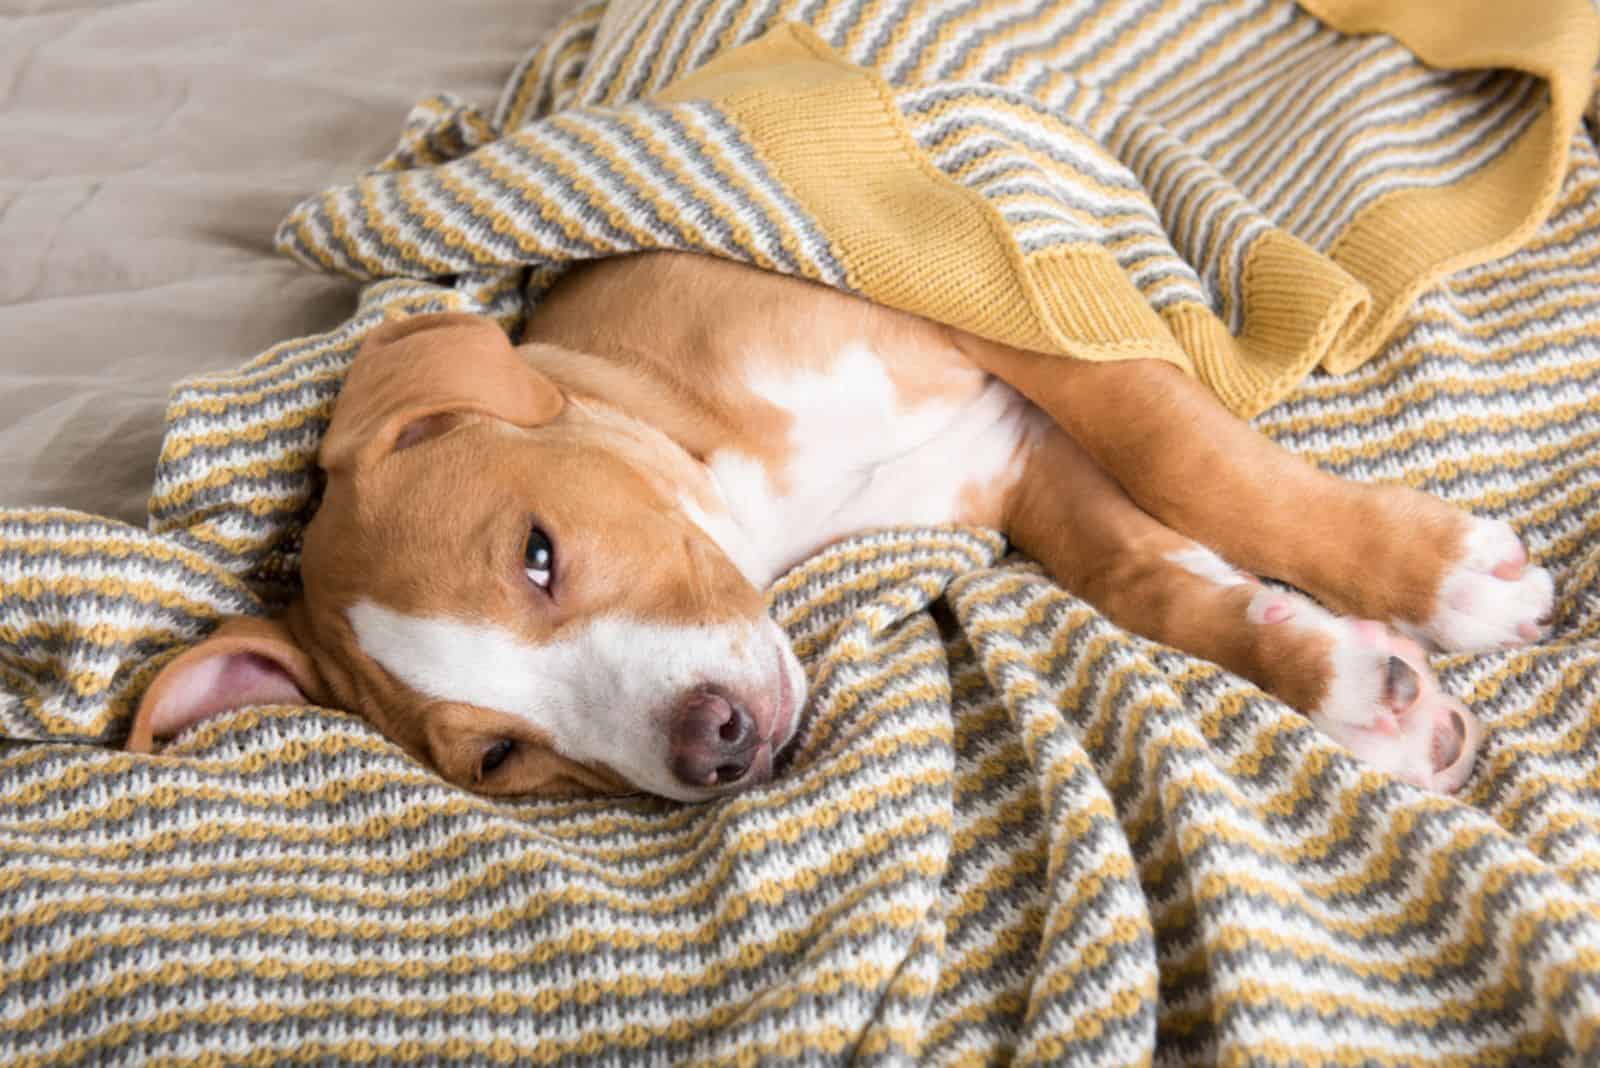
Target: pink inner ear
[(218, 685), (425, 429)]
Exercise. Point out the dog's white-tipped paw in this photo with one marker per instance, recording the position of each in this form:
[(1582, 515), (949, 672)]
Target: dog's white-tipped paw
[(1380, 699), (1386, 707), (1491, 598)]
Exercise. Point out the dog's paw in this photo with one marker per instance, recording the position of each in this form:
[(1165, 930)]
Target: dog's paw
[(1380, 700), (1491, 597)]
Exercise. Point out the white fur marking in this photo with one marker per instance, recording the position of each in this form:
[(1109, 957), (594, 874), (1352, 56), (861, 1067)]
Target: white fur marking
[(1476, 611), (601, 694), (1355, 713), (1356, 684), (1199, 560), (860, 460)]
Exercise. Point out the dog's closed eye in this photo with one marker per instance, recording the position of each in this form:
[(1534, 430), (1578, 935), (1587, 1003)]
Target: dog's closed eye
[(539, 558), (495, 756)]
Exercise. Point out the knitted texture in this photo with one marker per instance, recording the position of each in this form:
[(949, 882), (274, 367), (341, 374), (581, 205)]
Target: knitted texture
[(1243, 190), (1008, 830)]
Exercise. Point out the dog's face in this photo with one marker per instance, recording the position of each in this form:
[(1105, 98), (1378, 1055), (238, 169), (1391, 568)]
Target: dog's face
[(510, 584)]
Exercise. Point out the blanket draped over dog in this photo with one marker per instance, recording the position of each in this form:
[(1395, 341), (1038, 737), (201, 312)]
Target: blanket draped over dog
[(1009, 830)]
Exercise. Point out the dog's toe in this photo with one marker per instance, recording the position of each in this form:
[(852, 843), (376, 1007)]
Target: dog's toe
[(1491, 598)]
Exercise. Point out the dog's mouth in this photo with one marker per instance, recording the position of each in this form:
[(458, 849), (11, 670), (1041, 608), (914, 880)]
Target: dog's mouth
[(786, 718)]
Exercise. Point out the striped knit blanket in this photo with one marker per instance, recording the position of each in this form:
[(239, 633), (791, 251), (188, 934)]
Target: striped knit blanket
[(1009, 829)]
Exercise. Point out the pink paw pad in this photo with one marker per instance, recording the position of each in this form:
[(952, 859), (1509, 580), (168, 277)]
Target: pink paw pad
[(1388, 710), (1511, 569), (1270, 606)]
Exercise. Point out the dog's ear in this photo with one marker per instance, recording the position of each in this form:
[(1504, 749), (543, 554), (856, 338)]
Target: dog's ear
[(246, 661), (414, 379)]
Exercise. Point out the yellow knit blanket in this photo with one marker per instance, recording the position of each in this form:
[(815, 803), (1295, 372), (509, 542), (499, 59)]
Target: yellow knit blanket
[(1246, 189), (1008, 831)]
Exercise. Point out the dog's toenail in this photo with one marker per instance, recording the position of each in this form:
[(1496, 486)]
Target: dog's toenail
[(1277, 612), (1400, 684), (1508, 570)]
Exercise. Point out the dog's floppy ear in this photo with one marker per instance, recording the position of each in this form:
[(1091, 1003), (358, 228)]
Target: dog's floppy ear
[(246, 661), (414, 377)]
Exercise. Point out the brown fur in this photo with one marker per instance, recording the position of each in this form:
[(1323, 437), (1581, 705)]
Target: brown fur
[(1140, 460)]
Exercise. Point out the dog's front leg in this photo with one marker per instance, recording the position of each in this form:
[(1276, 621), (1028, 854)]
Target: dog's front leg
[(1359, 681), (1381, 552)]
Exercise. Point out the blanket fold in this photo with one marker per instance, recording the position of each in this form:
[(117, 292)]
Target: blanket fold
[(1008, 831), (1068, 190)]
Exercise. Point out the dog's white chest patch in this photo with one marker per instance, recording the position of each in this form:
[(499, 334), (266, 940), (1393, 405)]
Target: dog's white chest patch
[(860, 456)]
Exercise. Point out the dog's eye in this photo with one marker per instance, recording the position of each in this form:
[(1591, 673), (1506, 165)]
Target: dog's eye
[(494, 756), (539, 558)]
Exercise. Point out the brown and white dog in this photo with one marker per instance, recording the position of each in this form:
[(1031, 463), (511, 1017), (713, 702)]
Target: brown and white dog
[(539, 569)]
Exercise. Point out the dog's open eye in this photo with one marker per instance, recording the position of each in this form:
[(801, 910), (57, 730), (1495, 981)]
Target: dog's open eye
[(494, 756), (539, 558)]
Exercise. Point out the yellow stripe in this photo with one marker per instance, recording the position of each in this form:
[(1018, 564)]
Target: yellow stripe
[(1124, 1003), (215, 393), (728, 909), (25, 589), (572, 38), (116, 545), (42, 706), (219, 478), (1251, 29), (1399, 440), (893, 668), (502, 1002), (1357, 148), (986, 110), (1373, 93), (961, 27), (840, 920), (210, 530), (594, 861), (410, 190), (1272, 76), (863, 17), (285, 880), (624, 71)]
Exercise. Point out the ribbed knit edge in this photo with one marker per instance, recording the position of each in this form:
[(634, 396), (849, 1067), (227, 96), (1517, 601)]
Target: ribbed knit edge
[(1406, 242), (912, 238), (909, 237)]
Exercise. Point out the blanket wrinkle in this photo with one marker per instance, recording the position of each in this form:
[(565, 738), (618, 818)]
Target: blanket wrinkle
[(1009, 831)]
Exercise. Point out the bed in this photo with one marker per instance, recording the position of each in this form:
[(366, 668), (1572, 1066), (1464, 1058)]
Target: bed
[(1010, 831)]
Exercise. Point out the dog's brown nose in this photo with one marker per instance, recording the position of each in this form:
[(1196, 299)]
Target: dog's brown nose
[(713, 739)]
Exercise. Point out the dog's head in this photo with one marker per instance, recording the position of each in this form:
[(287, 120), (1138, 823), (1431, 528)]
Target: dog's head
[(511, 584)]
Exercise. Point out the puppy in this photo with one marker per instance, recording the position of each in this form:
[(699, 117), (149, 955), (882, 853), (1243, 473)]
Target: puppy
[(539, 568)]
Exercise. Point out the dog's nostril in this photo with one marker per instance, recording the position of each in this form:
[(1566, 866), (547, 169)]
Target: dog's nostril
[(1448, 741), (712, 739), (1401, 686)]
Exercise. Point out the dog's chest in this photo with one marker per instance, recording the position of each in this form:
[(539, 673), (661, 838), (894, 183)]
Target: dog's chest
[(862, 443)]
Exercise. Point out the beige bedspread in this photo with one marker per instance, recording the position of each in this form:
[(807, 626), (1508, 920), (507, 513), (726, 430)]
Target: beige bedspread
[(147, 151)]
